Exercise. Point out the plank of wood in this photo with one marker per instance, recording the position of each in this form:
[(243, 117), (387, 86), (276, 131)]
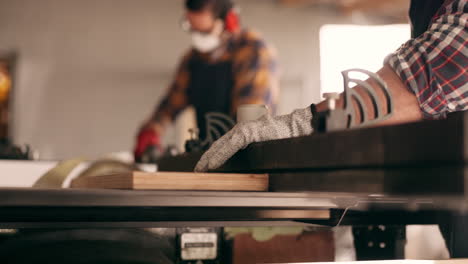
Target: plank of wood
[(176, 181)]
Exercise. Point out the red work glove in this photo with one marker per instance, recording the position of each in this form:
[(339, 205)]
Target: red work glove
[(147, 138)]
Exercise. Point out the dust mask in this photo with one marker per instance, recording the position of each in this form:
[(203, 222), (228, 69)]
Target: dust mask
[(207, 42)]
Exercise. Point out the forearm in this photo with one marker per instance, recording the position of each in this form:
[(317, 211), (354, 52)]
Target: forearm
[(406, 107), (175, 100)]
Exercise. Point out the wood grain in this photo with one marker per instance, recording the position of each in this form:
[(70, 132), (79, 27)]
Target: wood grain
[(175, 181)]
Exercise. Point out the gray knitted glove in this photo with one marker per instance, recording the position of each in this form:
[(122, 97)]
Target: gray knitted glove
[(296, 124)]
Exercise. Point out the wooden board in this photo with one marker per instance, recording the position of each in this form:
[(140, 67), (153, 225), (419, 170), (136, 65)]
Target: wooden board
[(176, 181)]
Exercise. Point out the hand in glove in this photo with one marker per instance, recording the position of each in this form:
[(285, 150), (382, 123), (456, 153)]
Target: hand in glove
[(296, 124)]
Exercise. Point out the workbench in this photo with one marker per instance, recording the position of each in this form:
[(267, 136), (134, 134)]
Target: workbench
[(406, 174)]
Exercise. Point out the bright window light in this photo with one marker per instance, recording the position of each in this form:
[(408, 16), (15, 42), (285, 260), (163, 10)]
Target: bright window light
[(344, 47)]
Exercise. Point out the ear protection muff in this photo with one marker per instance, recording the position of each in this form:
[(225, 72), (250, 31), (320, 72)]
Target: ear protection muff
[(232, 21)]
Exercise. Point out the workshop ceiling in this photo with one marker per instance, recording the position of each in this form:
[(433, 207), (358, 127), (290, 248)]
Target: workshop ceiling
[(394, 11)]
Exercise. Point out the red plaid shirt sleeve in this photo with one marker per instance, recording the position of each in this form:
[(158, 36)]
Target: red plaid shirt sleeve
[(434, 65), (176, 100)]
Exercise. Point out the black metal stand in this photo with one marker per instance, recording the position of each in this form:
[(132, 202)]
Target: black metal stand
[(379, 242)]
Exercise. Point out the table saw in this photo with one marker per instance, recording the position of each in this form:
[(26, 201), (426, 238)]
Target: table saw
[(405, 174)]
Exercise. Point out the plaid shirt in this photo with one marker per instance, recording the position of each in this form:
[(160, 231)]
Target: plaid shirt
[(254, 73), (434, 65)]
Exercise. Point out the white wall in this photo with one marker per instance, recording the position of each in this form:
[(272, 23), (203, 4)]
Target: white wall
[(91, 70)]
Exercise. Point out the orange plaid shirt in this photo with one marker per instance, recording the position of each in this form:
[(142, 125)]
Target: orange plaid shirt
[(254, 69)]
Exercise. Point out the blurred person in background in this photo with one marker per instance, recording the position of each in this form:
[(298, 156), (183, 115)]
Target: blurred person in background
[(227, 66)]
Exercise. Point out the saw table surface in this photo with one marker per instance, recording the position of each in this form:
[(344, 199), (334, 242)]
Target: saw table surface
[(72, 208)]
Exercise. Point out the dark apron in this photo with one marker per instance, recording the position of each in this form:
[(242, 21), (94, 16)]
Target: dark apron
[(210, 89), (421, 14)]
